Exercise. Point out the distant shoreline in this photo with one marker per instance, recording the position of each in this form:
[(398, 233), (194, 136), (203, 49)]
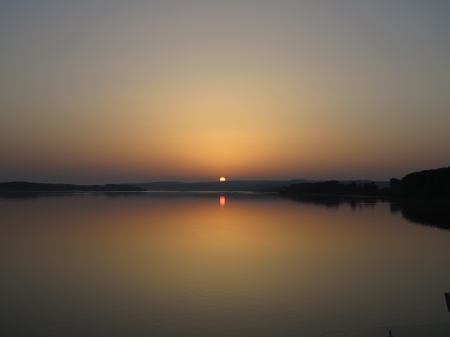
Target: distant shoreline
[(423, 185), (27, 187)]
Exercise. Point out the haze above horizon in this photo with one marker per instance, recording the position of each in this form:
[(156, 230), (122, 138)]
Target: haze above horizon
[(115, 92)]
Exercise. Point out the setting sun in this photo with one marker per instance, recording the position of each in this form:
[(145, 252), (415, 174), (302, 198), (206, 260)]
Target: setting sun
[(222, 179)]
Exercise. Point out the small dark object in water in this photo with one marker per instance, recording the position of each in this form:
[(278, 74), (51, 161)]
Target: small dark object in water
[(447, 298)]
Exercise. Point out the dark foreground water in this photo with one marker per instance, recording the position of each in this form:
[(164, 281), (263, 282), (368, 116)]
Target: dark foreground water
[(215, 265)]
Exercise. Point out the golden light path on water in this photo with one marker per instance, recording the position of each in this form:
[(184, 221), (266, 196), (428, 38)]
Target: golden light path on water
[(166, 264)]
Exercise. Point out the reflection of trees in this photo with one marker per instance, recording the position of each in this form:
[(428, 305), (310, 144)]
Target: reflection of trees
[(435, 214), (331, 201)]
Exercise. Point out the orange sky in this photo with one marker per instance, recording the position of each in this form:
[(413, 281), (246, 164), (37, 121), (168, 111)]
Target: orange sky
[(194, 90)]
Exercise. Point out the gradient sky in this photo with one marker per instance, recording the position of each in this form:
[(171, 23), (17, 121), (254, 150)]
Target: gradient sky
[(133, 91)]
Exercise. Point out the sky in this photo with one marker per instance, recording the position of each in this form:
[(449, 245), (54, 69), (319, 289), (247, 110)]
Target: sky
[(114, 91)]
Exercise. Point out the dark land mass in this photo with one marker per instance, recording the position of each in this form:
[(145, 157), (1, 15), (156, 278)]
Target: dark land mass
[(334, 201), (378, 184), (430, 184), (236, 185), (332, 187), (19, 186), (423, 185), (228, 186)]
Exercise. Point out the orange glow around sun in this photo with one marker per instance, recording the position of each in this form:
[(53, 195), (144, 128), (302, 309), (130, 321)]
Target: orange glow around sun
[(222, 179)]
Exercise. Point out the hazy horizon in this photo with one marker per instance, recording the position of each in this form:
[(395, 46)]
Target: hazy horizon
[(198, 181), (141, 91), (193, 181)]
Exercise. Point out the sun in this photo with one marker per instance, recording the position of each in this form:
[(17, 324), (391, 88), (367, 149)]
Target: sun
[(222, 179)]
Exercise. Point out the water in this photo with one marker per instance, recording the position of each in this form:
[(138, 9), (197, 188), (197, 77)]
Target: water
[(168, 264)]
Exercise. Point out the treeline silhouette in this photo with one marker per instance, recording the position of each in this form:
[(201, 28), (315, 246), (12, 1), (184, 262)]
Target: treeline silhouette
[(332, 187), (430, 184), (20, 186), (244, 185), (423, 185)]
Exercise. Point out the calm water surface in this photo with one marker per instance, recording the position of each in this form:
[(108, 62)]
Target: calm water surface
[(155, 264)]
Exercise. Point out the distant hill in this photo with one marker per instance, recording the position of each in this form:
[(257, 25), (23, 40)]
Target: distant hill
[(21, 186)]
